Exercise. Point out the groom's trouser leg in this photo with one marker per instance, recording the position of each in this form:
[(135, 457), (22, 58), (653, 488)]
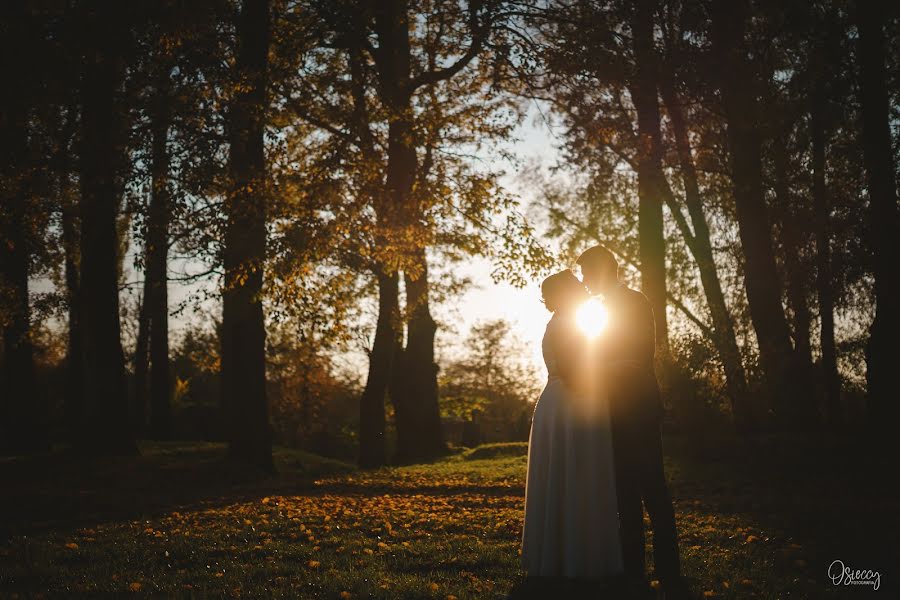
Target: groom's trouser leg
[(628, 495), (656, 497)]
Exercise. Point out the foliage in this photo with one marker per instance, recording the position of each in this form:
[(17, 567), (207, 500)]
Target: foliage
[(490, 382)]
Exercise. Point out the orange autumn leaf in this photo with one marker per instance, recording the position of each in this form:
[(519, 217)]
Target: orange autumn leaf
[(135, 586), (313, 564)]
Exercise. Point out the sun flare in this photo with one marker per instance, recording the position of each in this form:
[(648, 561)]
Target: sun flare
[(591, 317)]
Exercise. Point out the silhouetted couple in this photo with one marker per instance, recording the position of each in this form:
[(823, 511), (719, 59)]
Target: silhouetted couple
[(594, 453)]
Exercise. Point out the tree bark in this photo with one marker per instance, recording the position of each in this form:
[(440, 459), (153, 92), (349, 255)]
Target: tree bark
[(794, 237), (883, 408), (105, 427), (822, 223), (372, 451), (738, 84), (20, 414), (416, 401), (243, 326), (700, 245), (141, 361), (416, 384), (372, 448), (157, 260), (73, 404), (651, 237)]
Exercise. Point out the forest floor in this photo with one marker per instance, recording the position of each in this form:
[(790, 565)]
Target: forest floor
[(761, 517)]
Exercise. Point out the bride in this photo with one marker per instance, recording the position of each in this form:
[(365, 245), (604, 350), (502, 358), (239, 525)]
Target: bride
[(571, 523)]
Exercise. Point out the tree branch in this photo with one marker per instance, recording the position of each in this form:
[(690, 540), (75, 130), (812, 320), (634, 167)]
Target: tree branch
[(479, 35)]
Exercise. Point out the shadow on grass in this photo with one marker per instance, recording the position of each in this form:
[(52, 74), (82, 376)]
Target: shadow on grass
[(823, 496), (62, 489), (541, 588)]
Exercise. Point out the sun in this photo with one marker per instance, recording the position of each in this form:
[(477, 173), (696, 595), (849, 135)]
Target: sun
[(591, 317)]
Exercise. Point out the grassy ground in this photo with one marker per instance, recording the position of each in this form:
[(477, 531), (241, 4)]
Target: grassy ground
[(758, 518)]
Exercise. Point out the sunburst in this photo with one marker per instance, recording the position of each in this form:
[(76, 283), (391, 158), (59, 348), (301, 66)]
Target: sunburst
[(592, 317)]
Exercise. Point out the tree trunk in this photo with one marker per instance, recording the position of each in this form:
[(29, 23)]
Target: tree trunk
[(105, 427), (701, 248), (372, 449), (372, 452), (73, 404), (650, 203), (794, 236), (21, 415), (157, 261), (141, 361), (243, 326), (422, 437), (738, 84), (416, 399), (822, 222), (883, 408)]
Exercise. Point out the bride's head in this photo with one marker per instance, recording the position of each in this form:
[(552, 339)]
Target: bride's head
[(562, 291)]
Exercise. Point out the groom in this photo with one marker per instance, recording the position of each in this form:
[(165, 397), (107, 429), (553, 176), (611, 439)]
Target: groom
[(635, 412)]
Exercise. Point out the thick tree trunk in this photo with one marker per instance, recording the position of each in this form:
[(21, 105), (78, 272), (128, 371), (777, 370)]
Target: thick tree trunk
[(416, 388), (822, 222), (794, 237), (651, 237), (73, 404), (157, 261), (243, 326), (105, 424), (738, 84), (20, 410), (416, 399), (372, 449), (372, 452), (702, 250), (883, 407), (21, 414)]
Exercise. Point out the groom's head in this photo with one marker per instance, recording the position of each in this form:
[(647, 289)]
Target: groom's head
[(599, 268)]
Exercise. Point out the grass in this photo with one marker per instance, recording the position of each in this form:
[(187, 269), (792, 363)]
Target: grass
[(758, 518)]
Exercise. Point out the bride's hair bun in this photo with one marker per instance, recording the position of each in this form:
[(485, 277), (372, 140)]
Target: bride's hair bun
[(559, 287)]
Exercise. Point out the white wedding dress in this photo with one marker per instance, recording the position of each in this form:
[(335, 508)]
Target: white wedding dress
[(571, 520)]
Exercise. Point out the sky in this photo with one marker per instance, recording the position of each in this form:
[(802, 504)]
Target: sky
[(487, 300)]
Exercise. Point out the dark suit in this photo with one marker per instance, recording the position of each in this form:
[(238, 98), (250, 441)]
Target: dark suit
[(635, 412)]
